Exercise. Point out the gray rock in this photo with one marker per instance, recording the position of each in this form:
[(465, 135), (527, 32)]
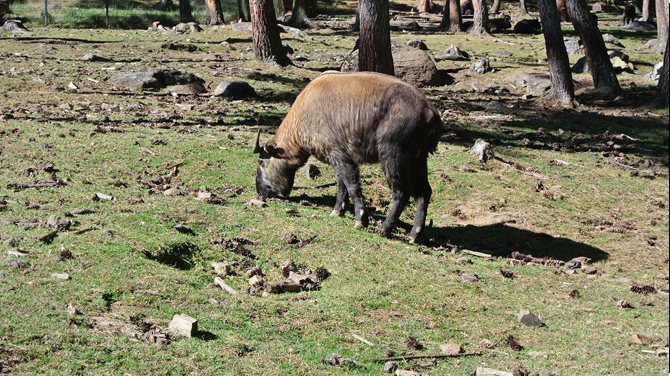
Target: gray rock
[(14, 27), (390, 367), (453, 53), (609, 38), (95, 58), (573, 46), (480, 66), (639, 26), (417, 43), (15, 263), (410, 64), (495, 106), (244, 27), (194, 88), (529, 319), (536, 84), (234, 90), (655, 73), (482, 149), (154, 79), (469, 277)]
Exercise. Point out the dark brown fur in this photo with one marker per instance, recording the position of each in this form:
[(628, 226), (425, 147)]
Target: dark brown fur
[(628, 14), (349, 119), (528, 27)]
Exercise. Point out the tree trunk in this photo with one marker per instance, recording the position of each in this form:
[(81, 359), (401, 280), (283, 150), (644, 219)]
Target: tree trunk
[(646, 7), (215, 12), (185, 11), (661, 25), (451, 18), (243, 12), (481, 18), (563, 11), (562, 86), (661, 98), (265, 33), (495, 8), (425, 6), (522, 6), (280, 11), (299, 17), (600, 66), (374, 53)]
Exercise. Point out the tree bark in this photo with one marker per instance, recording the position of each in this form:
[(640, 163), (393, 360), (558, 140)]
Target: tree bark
[(600, 66), (215, 12), (481, 18), (661, 25), (646, 14), (563, 11), (299, 17), (374, 53), (451, 18), (522, 7), (280, 11), (495, 8), (562, 86), (661, 98), (243, 12), (185, 11), (425, 6), (265, 33)]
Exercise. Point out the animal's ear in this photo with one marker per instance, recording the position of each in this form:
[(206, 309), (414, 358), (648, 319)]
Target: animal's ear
[(273, 150)]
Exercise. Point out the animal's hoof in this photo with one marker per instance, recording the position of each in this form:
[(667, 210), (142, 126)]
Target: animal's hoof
[(336, 213), (359, 225)]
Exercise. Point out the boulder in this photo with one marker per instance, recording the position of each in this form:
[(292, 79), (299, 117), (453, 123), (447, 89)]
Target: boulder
[(154, 79), (453, 53), (194, 88), (536, 84), (610, 39), (234, 90), (417, 43), (480, 66), (410, 64), (573, 46), (655, 73), (14, 27), (640, 26)]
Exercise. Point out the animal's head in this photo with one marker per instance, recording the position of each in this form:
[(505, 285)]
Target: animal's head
[(274, 174)]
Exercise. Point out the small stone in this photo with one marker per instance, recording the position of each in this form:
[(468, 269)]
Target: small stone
[(623, 303), (234, 90), (463, 260), (469, 277), (390, 367), (641, 340), (417, 43), (529, 319), (184, 325), (258, 203), (590, 271), (60, 276), (171, 192), (482, 150), (102, 197), (495, 106), (256, 280), (221, 268), (451, 349), (574, 264)]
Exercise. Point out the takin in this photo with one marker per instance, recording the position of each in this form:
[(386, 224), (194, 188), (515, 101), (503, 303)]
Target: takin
[(348, 119)]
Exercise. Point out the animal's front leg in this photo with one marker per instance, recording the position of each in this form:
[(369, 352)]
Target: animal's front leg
[(347, 172), (342, 199)]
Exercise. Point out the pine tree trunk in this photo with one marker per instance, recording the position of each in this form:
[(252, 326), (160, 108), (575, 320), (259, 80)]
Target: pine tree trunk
[(562, 86), (265, 33), (374, 53), (522, 7), (562, 11), (215, 12), (661, 25), (646, 7), (243, 12), (600, 66), (481, 18), (451, 18), (280, 11), (661, 98), (185, 11), (495, 8), (299, 17), (425, 6)]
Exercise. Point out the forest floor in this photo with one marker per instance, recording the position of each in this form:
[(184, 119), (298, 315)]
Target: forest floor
[(114, 203)]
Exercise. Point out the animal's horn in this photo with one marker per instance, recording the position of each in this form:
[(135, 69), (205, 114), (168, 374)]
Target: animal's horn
[(257, 144)]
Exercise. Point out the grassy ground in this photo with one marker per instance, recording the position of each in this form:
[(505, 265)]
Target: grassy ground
[(566, 184)]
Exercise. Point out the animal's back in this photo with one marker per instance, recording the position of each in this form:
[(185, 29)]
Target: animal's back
[(359, 114)]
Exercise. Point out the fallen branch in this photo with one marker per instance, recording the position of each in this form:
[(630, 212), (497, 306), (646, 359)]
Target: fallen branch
[(35, 184), (83, 230), (427, 356)]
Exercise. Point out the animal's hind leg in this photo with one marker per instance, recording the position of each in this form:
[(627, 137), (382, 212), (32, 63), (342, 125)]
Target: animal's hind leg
[(342, 198), (421, 192)]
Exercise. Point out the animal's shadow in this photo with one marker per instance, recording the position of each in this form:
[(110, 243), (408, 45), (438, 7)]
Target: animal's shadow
[(497, 239)]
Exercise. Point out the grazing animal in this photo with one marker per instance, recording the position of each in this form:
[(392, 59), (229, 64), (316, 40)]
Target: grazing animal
[(528, 27), (497, 25), (628, 14), (348, 119), (467, 9)]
